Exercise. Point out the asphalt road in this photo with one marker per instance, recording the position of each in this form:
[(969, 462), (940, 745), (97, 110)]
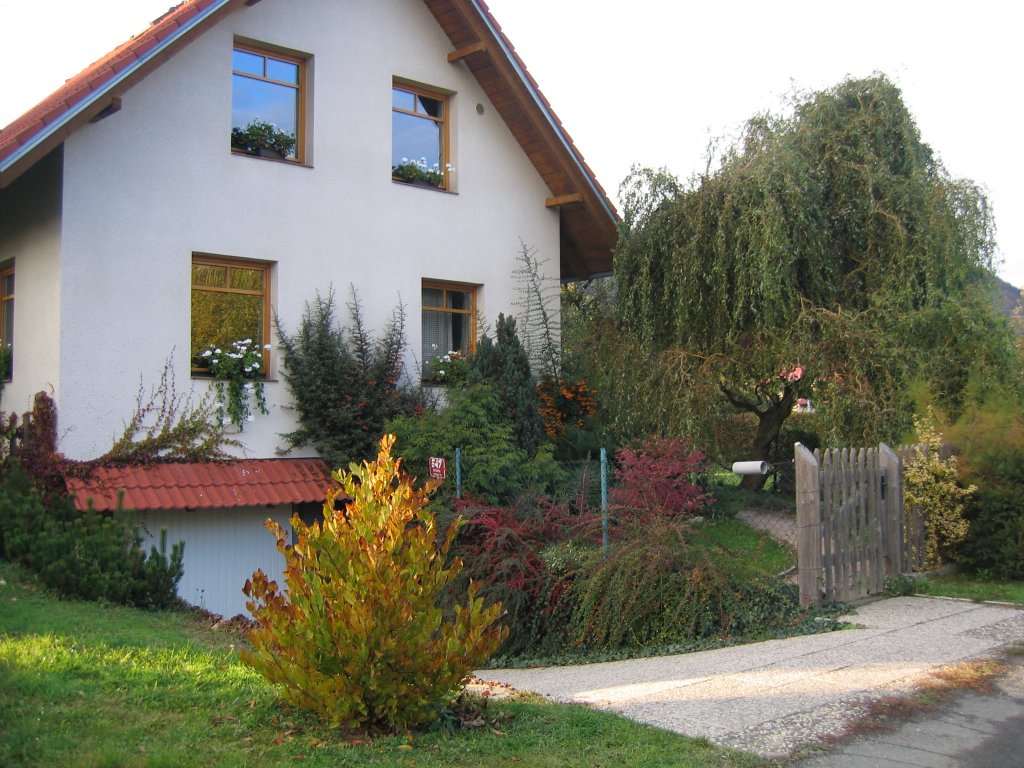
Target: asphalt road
[(971, 731), (783, 697)]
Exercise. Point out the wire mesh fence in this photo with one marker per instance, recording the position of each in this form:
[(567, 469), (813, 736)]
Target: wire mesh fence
[(588, 488)]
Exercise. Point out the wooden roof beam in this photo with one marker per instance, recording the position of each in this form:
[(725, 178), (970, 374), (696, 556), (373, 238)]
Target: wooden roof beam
[(570, 199), (469, 50)]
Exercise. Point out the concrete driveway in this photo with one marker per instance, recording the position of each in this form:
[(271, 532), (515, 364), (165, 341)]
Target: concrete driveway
[(773, 697)]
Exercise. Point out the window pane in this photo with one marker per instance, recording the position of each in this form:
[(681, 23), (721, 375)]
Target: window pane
[(415, 138), (433, 297), (435, 337), (459, 340), (243, 61), (8, 284), (429, 106), (403, 99), (209, 275), (221, 318), (458, 300), (285, 71), (7, 324), (259, 100), (247, 279)]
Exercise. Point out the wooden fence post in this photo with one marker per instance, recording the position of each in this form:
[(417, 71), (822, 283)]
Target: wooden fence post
[(808, 525), (889, 464)]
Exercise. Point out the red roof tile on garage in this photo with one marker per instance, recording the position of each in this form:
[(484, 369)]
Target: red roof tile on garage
[(243, 483)]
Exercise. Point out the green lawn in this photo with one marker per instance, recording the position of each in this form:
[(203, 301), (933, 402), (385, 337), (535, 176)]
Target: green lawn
[(83, 684), (755, 549), (972, 587)]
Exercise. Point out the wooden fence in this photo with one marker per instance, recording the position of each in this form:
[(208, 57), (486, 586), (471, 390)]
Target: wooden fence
[(850, 525)]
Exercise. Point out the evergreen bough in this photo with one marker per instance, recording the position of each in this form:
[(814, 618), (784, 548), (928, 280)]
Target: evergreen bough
[(505, 365), (345, 384)]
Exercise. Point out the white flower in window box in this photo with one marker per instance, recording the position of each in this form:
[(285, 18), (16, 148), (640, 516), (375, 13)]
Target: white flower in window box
[(420, 173), (238, 378)]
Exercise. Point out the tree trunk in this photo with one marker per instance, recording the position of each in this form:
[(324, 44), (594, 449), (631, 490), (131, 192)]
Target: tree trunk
[(769, 424)]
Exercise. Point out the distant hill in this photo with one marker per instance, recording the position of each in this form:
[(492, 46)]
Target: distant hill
[(1010, 302), (1009, 299)]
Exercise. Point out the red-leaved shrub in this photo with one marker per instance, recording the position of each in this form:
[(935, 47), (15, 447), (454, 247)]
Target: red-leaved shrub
[(504, 554), (657, 480)]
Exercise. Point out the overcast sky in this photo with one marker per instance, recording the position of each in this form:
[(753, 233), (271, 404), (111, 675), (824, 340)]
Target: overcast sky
[(652, 82)]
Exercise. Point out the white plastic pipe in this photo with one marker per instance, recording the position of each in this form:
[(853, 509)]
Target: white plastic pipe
[(750, 467)]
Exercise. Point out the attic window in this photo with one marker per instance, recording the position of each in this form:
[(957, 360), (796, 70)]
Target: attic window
[(419, 137), (267, 107)]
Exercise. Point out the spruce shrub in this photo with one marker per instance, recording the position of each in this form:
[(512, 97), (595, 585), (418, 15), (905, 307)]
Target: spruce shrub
[(505, 365), (345, 383), (359, 635), (85, 555)]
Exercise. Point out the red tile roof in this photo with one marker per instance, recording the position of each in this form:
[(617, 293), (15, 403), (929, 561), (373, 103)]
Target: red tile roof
[(243, 483)]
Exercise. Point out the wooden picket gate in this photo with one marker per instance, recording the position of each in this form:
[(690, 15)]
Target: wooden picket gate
[(850, 524)]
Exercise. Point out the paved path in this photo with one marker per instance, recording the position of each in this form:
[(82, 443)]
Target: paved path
[(974, 731), (774, 696)]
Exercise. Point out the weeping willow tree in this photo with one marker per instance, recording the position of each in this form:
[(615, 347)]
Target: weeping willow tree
[(831, 256)]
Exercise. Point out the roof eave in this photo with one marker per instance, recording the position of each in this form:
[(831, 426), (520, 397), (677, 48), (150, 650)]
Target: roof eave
[(541, 105), (92, 105)]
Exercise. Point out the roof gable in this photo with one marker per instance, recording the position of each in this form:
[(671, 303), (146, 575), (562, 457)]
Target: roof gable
[(588, 219)]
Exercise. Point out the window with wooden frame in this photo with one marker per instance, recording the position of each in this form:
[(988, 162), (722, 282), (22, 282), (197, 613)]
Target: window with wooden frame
[(230, 302), (448, 321), (419, 137), (267, 103), (6, 322)]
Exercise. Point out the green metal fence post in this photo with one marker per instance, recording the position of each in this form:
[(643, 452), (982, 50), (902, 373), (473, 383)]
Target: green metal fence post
[(458, 473), (604, 502)]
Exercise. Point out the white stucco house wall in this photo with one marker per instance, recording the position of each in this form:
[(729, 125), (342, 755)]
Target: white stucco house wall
[(123, 203)]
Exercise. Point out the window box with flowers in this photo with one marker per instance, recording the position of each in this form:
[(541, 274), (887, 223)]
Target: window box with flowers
[(238, 378), (263, 139), (418, 173), (450, 369)]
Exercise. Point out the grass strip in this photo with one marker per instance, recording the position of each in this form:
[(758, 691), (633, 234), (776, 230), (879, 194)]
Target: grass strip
[(84, 684)]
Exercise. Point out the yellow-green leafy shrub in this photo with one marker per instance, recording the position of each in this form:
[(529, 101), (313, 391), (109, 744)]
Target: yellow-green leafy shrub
[(358, 635), (931, 488)]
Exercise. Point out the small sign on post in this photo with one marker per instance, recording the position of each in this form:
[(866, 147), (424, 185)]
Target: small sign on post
[(437, 470)]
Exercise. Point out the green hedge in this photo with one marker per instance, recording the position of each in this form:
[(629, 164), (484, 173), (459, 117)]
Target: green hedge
[(995, 514)]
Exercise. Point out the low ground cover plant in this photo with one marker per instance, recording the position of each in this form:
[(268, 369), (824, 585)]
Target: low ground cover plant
[(657, 588), (971, 585)]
